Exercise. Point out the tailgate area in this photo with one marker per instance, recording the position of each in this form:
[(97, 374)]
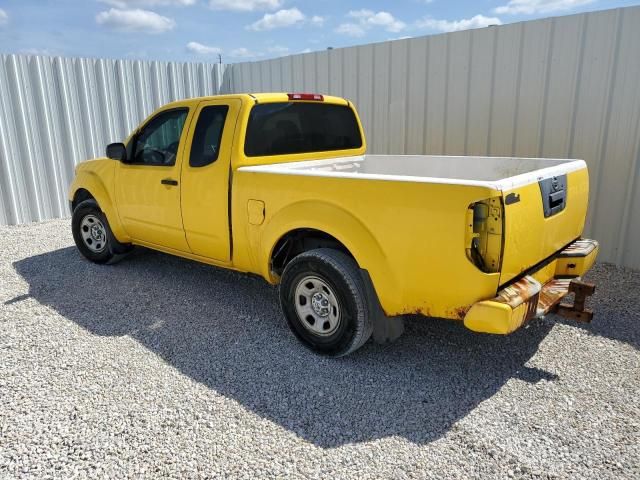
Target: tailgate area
[(541, 217)]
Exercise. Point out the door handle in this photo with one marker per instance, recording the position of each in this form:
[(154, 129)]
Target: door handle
[(169, 181)]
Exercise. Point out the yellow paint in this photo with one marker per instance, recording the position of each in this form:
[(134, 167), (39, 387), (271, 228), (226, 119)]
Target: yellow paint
[(576, 266), (97, 176), (391, 228), (494, 317), (522, 249), (546, 273), (204, 190), (412, 238), (255, 212), (148, 210)]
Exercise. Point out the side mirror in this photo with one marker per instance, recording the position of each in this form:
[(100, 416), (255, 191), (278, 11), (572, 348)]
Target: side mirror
[(117, 151)]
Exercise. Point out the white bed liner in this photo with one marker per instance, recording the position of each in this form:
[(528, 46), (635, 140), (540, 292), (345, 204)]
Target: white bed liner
[(498, 173)]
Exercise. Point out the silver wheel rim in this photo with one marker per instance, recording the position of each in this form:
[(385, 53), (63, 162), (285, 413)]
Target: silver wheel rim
[(94, 234), (317, 306)]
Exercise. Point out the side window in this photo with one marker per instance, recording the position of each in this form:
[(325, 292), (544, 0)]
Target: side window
[(207, 135), (157, 143)]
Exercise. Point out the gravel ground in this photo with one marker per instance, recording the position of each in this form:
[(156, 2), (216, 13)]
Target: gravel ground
[(161, 367)]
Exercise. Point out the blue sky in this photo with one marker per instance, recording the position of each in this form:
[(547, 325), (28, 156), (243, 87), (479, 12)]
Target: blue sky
[(240, 30)]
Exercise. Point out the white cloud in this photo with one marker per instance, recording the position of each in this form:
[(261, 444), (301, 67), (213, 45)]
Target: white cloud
[(124, 4), (245, 5), (4, 17), (280, 19), (243, 52), (201, 49), (379, 19), (529, 7), (479, 21), (367, 19), (135, 21), (317, 21)]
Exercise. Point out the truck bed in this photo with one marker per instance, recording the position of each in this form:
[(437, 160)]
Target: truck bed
[(499, 173), (417, 207)]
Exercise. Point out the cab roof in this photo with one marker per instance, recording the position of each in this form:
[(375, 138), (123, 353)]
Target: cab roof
[(265, 98)]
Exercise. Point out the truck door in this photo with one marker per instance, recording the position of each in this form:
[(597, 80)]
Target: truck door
[(205, 179), (147, 186)]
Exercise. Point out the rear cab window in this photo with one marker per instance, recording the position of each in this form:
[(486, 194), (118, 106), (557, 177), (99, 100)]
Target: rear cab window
[(286, 128)]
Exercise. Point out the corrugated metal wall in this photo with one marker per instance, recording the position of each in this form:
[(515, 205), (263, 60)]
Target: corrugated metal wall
[(566, 87), (56, 112), (559, 87)]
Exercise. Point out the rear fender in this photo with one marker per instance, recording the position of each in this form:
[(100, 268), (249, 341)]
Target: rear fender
[(340, 224)]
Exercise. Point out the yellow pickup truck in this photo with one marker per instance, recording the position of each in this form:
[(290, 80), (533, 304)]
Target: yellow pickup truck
[(279, 185)]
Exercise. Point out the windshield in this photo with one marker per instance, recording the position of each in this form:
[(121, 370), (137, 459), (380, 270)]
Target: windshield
[(298, 127)]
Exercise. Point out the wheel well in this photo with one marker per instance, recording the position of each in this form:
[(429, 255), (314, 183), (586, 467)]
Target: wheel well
[(80, 196), (299, 241)]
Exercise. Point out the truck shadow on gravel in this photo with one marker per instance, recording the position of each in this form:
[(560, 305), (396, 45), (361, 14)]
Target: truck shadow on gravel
[(225, 330)]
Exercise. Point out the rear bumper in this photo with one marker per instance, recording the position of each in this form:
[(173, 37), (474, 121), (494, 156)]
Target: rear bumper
[(534, 295)]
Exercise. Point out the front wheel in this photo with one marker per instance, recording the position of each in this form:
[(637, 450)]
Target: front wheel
[(92, 234), (323, 297)]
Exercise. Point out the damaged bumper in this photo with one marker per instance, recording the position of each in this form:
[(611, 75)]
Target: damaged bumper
[(539, 293)]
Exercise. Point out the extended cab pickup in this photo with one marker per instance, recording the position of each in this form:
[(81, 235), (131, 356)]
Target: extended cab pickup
[(280, 185)]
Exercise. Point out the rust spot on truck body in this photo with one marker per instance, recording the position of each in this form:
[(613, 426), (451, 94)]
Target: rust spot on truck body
[(524, 293), (552, 293), (461, 312), (456, 314), (524, 290), (421, 311)]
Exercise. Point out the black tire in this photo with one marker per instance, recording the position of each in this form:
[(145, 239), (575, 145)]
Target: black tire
[(342, 277), (107, 248)]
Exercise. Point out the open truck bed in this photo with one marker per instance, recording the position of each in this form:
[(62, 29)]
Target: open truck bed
[(449, 233)]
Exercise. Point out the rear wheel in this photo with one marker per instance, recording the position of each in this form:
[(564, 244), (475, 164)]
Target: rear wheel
[(323, 297), (92, 234)]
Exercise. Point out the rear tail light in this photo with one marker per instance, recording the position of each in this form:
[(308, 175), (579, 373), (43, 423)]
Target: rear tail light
[(484, 234), (306, 96)]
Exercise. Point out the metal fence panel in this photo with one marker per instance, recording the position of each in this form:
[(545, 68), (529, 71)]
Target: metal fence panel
[(56, 112), (559, 87), (564, 87)]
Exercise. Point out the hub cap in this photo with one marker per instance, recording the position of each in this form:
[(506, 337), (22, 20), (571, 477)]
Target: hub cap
[(93, 233), (317, 306)]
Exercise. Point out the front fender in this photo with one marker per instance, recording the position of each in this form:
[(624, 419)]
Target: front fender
[(340, 224), (98, 180)]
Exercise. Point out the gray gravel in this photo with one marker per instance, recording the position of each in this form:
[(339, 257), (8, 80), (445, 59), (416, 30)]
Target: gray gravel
[(161, 367)]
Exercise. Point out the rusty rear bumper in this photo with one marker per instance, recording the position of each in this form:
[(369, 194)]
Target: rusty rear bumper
[(539, 293)]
